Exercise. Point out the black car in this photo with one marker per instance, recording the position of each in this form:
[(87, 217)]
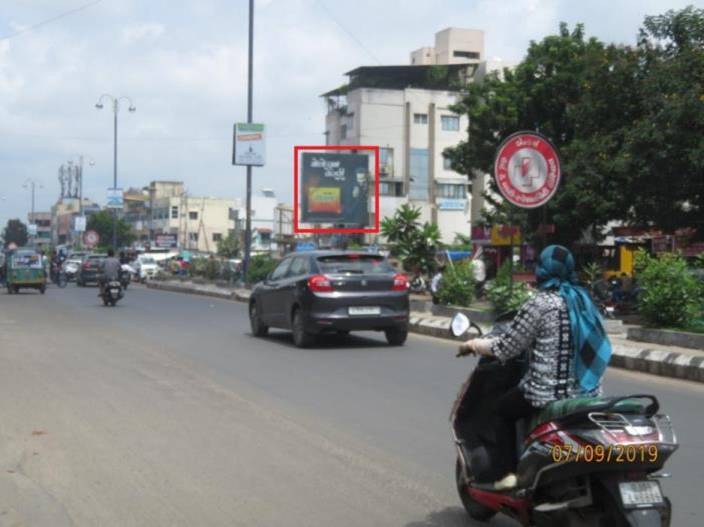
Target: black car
[(88, 273), (331, 292)]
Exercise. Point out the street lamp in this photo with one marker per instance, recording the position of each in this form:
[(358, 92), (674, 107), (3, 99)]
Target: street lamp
[(32, 184), (115, 109)]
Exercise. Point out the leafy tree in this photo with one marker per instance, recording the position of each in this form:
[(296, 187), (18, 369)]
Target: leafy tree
[(622, 117), (414, 244), (15, 232), (101, 222), (502, 294), (665, 145), (229, 247)]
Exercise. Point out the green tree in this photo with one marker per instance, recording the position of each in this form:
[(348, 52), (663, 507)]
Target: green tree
[(457, 285), (575, 91), (415, 244), (101, 222), (665, 143), (260, 265), (15, 232), (229, 247)]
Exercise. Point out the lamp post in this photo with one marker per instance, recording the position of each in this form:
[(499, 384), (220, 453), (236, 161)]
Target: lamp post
[(32, 184), (115, 109)]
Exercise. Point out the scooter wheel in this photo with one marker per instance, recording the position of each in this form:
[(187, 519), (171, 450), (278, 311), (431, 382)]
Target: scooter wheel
[(476, 510)]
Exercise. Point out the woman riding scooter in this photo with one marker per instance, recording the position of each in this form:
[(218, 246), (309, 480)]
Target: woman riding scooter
[(568, 351)]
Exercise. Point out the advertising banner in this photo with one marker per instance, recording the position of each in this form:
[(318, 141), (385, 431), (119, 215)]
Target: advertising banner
[(249, 146), (32, 229), (79, 223), (335, 188), (165, 241), (115, 199)]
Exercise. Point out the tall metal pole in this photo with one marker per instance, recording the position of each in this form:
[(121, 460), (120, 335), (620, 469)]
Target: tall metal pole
[(248, 224), (114, 178)]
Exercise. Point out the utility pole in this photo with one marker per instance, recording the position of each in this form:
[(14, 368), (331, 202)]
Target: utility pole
[(248, 224), (31, 185)]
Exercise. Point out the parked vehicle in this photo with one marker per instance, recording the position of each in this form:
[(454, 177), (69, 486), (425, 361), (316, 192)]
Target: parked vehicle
[(25, 270), (145, 267), (331, 291), (90, 267), (111, 293), (582, 462)]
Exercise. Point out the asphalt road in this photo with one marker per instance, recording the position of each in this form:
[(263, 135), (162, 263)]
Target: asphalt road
[(166, 411)]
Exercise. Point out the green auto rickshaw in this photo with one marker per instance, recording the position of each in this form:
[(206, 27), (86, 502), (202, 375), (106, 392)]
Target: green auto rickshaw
[(25, 269)]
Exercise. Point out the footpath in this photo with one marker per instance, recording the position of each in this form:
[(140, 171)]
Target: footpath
[(667, 361)]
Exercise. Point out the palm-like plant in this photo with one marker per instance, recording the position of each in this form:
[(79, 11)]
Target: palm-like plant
[(413, 243)]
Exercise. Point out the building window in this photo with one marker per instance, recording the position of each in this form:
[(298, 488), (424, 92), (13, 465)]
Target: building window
[(193, 215), (217, 237), (193, 237), (451, 190), (450, 123), (386, 161), (391, 188), (420, 118), (466, 54), (418, 172), (174, 212), (446, 163), (343, 131)]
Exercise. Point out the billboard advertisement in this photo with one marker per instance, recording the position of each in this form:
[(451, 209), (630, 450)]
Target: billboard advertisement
[(165, 241), (335, 188), (115, 199), (249, 144)]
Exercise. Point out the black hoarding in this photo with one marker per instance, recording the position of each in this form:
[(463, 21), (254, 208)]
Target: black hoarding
[(335, 188)]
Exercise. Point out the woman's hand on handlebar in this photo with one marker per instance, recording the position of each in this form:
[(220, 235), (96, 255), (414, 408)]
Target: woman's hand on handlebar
[(477, 346)]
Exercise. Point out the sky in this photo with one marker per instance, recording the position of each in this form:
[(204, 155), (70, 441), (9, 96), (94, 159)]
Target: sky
[(184, 67)]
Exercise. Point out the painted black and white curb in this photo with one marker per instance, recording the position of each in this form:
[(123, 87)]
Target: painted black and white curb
[(657, 362)]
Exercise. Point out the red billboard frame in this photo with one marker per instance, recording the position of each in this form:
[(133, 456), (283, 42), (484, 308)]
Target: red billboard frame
[(377, 221)]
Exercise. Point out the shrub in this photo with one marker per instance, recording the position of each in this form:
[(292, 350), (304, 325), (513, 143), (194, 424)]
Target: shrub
[(500, 293), (671, 295), (457, 285), (260, 265)]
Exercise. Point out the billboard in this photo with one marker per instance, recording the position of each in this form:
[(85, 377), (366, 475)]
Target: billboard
[(335, 188), (165, 241), (249, 146), (115, 199)]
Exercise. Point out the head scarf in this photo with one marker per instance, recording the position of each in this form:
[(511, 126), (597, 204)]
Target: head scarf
[(591, 345)]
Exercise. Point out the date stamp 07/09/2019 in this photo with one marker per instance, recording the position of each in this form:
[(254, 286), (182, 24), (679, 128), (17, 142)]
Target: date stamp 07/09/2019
[(605, 454)]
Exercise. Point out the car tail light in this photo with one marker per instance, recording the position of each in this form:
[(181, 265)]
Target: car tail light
[(400, 282), (319, 284)]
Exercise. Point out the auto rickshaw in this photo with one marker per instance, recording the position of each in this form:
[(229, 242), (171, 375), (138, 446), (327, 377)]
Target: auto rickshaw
[(25, 269)]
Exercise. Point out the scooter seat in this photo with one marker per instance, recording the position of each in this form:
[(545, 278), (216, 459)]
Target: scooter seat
[(566, 410)]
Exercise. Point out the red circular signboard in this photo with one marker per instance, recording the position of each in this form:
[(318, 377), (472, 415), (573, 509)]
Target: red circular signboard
[(527, 169), (91, 238)]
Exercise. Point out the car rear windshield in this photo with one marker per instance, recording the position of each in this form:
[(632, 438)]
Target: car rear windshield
[(354, 263)]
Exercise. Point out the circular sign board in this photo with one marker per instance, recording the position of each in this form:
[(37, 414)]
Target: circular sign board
[(527, 169), (91, 238)]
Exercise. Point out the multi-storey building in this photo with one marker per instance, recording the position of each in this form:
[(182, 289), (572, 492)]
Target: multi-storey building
[(407, 111)]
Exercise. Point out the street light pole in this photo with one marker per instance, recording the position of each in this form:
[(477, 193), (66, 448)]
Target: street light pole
[(115, 108), (248, 220), (31, 184)]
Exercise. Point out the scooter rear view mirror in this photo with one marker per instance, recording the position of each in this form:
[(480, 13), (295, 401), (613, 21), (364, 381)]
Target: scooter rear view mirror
[(460, 324)]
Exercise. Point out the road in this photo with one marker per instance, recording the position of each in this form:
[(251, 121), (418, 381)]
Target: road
[(166, 411)]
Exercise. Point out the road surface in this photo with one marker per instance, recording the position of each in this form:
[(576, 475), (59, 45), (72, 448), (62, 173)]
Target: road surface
[(166, 411)]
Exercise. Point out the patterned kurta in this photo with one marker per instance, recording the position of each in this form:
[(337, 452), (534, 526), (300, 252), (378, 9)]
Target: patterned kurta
[(543, 327)]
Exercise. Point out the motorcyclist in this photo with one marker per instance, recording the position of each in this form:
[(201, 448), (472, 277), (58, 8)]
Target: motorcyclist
[(110, 271), (568, 351)]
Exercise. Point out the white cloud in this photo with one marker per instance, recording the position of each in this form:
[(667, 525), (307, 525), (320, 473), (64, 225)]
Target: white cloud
[(140, 32)]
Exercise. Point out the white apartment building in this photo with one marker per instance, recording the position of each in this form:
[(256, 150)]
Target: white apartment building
[(198, 223), (406, 111)]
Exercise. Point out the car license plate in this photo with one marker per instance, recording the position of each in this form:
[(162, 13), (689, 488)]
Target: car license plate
[(364, 310), (114, 291), (640, 493)]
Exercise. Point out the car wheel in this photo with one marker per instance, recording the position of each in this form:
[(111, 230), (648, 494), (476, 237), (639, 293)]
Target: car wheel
[(258, 328), (42, 289), (396, 337), (301, 338)]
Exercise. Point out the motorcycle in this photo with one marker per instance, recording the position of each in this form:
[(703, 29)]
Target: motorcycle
[(111, 292), (418, 284), (58, 275), (581, 462)]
